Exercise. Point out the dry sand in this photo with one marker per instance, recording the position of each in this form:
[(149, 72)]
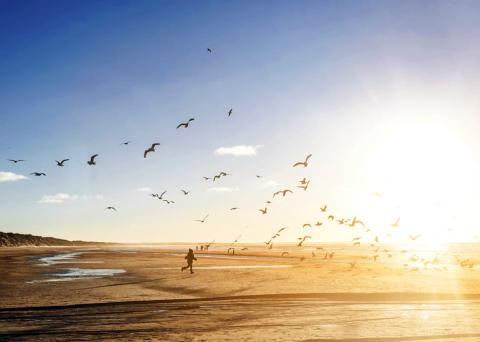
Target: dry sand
[(263, 298)]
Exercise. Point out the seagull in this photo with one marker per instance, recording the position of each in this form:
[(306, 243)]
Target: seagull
[(209, 50), (185, 192), (125, 143), (167, 201), (258, 176), (306, 225), (206, 178), (185, 124), (318, 224), (60, 163), (203, 220), (303, 181), (283, 192), (304, 163), (302, 240), (92, 160), (234, 208), (324, 208), (38, 174), (397, 222), (16, 160), (268, 202), (264, 211), (161, 195), (111, 208), (355, 221), (305, 186), (230, 112), (414, 237), (150, 149), (281, 229), (331, 217), (341, 221)]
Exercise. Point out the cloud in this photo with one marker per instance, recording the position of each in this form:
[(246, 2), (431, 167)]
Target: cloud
[(144, 189), (269, 184), (57, 198), (10, 177), (223, 189), (238, 150)]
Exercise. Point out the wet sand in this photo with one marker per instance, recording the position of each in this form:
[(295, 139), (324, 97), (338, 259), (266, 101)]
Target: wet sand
[(258, 296)]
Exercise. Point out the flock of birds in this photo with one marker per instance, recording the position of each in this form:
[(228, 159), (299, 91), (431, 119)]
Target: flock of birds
[(303, 184)]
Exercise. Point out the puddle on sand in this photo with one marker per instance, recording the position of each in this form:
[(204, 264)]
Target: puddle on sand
[(70, 274)]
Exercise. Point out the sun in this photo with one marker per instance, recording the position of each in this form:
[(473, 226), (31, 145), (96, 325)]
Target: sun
[(423, 170)]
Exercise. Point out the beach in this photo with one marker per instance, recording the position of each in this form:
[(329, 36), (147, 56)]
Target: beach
[(135, 292)]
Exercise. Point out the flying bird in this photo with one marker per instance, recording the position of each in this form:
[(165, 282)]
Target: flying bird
[(263, 211), (318, 224), (414, 237), (125, 143), (331, 217), (16, 160), (258, 176), (38, 174), (185, 192), (203, 220), (304, 186), (396, 223), (167, 201), (304, 163), (355, 222), (302, 240), (150, 149), (206, 178), (61, 163), (324, 208), (230, 112), (306, 225), (185, 124), (234, 208), (283, 192), (111, 208), (209, 50), (161, 195), (92, 160)]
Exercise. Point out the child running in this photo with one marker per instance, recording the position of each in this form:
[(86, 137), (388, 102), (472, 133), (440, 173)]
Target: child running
[(190, 257)]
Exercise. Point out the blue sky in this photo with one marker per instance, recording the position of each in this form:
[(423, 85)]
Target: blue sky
[(349, 81)]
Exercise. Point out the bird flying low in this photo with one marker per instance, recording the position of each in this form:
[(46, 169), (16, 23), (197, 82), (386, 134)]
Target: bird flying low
[(16, 160), (92, 160), (150, 149), (185, 124), (202, 220), (304, 163), (302, 240), (38, 174), (355, 222), (61, 163)]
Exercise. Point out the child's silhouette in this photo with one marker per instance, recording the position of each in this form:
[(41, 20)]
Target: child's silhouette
[(190, 257)]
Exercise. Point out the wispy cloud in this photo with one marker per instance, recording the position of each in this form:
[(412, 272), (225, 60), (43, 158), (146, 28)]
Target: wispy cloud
[(10, 177), (57, 198), (144, 189), (223, 189), (270, 183), (238, 150)]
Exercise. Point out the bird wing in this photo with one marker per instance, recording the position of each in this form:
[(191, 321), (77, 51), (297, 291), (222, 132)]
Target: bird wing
[(182, 124), (308, 157), (63, 161), (298, 164)]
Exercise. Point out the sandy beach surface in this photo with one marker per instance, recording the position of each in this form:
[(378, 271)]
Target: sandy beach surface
[(139, 293)]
